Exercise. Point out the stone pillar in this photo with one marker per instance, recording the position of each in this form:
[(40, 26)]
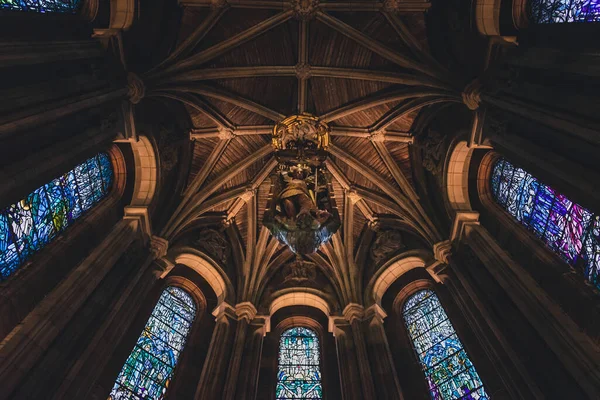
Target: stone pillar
[(40, 328), (347, 362), (575, 350), (83, 375), (354, 314), (245, 312), (15, 53), (215, 368), (250, 366), (382, 364)]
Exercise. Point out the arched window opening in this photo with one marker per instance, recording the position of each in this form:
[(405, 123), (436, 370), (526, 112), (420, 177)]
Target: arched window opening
[(149, 368), (449, 372), (299, 375), (41, 6), (30, 224), (567, 228), (564, 11)]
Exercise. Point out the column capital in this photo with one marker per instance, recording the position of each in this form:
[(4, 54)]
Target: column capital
[(471, 94), (164, 266), (353, 311), (336, 324), (264, 321), (140, 214), (158, 246), (442, 251), (375, 312), (245, 310), (135, 88), (462, 219), (224, 310)]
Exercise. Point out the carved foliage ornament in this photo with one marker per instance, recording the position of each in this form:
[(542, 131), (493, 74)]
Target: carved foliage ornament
[(214, 244), (387, 242), (433, 147), (305, 9)]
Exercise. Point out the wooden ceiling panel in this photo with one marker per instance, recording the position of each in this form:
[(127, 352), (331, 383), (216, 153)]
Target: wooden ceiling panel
[(359, 223), (400, 153), (277, 93), (202, 149), (366, 118), (241, 221), (239, 148), (191, 18), (355, 177), (238, 115), (199, 119)]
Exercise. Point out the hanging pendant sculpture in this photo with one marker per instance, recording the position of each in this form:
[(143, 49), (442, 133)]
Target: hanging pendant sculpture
[(301, 212)]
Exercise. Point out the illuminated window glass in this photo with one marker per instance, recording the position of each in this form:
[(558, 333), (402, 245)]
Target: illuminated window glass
[(299, 375), (149, 368), (40, 6), (30, 224), (447, 367), (570, 230), (565, 11)]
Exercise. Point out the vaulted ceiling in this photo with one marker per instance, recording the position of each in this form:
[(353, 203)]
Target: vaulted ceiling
[(363, 68)]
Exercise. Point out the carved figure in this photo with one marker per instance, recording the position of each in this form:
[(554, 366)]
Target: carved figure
[(215, 244), (386, 243)]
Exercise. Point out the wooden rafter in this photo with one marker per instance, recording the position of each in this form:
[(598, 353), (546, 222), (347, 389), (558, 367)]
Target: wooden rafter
[(339, 175), (375, 46), (231, 43), (256, 182), (374, 5), (302, 60), (196, 102), (224, 95), (383, 98), (244, 130), (405, 108)]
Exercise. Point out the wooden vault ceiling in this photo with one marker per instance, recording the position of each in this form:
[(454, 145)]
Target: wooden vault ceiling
[(240, 70)]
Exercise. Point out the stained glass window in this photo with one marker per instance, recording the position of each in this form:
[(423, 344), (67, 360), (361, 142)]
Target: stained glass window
[(567, 228), (447, 367), (149, 368), (561, 11), (40, 6), (30, 224), (299, 375)]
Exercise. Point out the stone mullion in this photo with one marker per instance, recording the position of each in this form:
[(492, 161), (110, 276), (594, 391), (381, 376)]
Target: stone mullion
[(385, 377), (41, 327), (217, 358)]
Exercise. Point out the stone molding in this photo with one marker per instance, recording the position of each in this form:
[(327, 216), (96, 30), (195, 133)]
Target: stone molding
[(462, 219), (353, 311), (136, 89), (471, 95), (225, 310), (375, 312), (245, 310), (158, 246), (141, 215)]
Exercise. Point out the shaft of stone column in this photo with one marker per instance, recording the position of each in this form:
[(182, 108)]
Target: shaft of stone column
[(363, 360), (248, 380), (349, 375), (37, 331), (217, 358), (236, 359)]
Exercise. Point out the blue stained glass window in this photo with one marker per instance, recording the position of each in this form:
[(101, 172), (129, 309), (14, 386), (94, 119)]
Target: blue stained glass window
[(41, 6), (30, 224), (565, 11), (149, 368), (567, 228), (447, 367), (299, 375)]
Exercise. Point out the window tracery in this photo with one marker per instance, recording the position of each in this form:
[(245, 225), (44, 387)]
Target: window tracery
[(299, 375), (41, 6), (565, 11), (567, 228), (150, 366), (30, 224), (449, 372)]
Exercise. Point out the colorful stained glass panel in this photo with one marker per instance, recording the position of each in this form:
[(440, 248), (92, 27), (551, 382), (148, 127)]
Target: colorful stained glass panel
[(149, 368), (566, 227), (28, 225), (299, 375), (449, 372), (40, 6), (565, 11)]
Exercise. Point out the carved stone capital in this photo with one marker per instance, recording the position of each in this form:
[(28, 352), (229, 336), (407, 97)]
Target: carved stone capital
[(462, 219), (337, 324), (353, 311), (264, 321), (353, 196), (158, 246), (471, 95), (303, 71), (376, 313), (140, 214), (225, 134), (224, 310), (135, 88), (245, 310), (305, 9), (163, 267), (442, 251), (375, 224)]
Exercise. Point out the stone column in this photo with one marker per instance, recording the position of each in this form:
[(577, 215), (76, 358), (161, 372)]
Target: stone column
[(83, 375), (15, 53), (250, 367), (570, 345), (354, 314), (347, 362), (383, 369), (215, 368), (245, 312), (39, 329)]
